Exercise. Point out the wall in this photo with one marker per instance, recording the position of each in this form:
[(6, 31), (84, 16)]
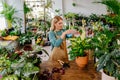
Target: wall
[(57, 4), (85, 7)]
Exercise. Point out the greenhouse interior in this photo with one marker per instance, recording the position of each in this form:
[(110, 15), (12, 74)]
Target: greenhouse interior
[(59, 39)]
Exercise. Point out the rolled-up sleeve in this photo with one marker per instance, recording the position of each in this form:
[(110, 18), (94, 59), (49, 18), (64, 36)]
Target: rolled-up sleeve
[(54, 41)]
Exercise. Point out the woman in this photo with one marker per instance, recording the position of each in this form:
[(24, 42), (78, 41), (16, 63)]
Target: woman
[(57, 37)]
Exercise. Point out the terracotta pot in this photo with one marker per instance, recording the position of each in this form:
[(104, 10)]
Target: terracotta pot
[(82, 61)]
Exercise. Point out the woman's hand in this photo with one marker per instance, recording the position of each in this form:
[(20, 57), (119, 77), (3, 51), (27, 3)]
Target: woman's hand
[(72, 31), (68, 32)]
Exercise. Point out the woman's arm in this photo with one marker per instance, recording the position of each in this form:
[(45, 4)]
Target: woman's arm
[(54, 41), (57, 42)]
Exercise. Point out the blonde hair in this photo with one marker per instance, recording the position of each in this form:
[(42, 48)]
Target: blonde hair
[(54, 21)]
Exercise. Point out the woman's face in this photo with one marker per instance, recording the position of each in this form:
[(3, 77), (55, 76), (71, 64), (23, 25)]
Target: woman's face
[(59, 25)]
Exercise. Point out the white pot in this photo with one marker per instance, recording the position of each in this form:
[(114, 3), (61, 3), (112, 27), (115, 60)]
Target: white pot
[(106, 77)]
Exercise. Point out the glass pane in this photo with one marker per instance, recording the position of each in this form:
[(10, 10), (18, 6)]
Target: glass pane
[(2, 19)]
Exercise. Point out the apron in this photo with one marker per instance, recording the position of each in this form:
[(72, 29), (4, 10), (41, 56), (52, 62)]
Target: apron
[(59, 53)]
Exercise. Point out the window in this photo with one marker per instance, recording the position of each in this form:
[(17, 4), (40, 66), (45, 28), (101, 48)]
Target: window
[(2, 19), (37, 7)]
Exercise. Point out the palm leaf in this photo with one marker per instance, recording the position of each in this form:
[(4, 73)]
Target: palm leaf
[(112, 5)]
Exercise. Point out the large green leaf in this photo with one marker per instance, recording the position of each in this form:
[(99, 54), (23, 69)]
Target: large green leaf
[(29, 69)]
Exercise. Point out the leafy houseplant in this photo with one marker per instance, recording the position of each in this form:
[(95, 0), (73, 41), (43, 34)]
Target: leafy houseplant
[(14, 23), (78, 49), (20, 67), (70, 15), (4, 33), (109, 62), (103, 41), (106, 51), (8, 12), (114, 7), (25, 38)]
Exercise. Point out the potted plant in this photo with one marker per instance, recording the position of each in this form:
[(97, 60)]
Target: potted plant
[(70, 15), (106, 52), (25, 38), (20, 67), (107, 48), (13, 22), (109, 63), (104, 43), (3, 33), (25, 41), (78, 50), (8, 12)]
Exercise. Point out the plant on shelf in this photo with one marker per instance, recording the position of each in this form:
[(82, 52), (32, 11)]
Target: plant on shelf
[(8, 12), (26, 9), (44, 26), (78, 50), (94, 17), (13, 22), (25, 38), (4, 33), (70, 15), (114, 7), (39, 50), (23, 66)]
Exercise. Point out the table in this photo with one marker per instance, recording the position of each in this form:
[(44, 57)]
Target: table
[(75, 72)]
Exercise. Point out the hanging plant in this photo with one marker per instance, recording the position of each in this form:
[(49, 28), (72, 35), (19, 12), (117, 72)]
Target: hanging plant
[(74, 4), (48, 4), (26, 8)]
